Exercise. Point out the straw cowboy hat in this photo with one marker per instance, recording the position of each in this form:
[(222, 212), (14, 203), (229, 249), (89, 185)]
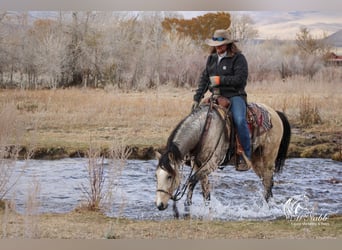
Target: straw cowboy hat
[(219, 38)]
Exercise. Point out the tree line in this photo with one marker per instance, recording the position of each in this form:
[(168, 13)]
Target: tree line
[(136, 50)]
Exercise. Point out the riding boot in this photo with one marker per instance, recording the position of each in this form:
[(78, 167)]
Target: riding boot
[(242, 166), (243, 161)]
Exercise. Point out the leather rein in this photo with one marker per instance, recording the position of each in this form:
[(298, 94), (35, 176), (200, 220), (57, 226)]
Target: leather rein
[(192, 177)]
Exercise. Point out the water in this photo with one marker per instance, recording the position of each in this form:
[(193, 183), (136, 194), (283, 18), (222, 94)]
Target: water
[(235, 195)]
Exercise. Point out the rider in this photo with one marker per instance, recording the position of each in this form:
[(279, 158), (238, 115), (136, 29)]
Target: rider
[(225, 74)]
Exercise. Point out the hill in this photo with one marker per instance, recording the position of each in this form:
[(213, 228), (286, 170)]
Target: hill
[(335, 39)]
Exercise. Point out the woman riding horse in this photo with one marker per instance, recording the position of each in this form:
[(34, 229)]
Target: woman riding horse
[(225, 74), (205, 135)]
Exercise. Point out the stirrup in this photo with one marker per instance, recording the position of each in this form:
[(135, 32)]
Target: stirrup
[(242, 166), (244, 163)]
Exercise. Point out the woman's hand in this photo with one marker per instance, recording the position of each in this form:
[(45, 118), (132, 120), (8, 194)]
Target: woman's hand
[(214, 81), (194, 105)]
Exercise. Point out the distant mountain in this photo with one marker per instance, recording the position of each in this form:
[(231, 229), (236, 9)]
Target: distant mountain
[(335, 39)]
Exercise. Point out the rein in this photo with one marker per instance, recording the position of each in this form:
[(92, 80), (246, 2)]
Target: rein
[(204, 135), (179, 193)]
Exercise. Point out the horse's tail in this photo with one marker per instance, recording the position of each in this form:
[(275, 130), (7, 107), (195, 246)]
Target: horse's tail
[(284, 144)]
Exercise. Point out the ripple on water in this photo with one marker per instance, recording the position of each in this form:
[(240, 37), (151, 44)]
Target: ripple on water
[(234, 196)]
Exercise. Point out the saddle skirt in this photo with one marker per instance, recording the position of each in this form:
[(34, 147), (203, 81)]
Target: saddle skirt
[(258, 119)]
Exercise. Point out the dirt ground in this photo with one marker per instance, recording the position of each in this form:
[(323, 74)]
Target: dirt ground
[(94, 225)]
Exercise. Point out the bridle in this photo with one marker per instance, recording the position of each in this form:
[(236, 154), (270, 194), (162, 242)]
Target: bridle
[(166, 192), (180, 191)]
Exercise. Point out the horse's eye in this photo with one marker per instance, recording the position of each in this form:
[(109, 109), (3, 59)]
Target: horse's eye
[(169, 177)]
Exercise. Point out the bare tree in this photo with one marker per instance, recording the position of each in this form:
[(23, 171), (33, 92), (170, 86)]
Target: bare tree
[(49, 50), (135, 50), (306, 43), (241, 28), (312, 51)]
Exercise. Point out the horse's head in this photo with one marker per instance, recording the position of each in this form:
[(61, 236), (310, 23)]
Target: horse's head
[(167, 179)]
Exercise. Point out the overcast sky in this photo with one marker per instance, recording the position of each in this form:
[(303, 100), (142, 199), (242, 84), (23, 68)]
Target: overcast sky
[(285, 25)]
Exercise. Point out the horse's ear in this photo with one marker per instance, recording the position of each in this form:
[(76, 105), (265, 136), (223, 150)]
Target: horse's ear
[(157, 155), (171, 157)]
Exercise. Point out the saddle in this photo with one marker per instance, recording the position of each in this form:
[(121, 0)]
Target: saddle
[(258, 120)]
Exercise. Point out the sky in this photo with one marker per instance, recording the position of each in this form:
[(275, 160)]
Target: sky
[(285, 24)]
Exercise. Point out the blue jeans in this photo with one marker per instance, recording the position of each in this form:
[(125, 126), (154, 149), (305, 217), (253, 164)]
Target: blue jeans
[(239, 111)]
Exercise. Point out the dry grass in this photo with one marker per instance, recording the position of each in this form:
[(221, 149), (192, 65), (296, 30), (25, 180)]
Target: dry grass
[(68, 118), (11, 137), (293, 96), (92, 225), (65, 119)]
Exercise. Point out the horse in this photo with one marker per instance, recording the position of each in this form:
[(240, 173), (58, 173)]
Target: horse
[(202, 140)]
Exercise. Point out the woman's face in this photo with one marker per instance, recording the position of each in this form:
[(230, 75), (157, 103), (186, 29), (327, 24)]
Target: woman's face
[(221, 49)]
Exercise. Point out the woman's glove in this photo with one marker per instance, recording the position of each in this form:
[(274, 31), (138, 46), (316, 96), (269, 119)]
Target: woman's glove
[(194, 105), (214, 81)]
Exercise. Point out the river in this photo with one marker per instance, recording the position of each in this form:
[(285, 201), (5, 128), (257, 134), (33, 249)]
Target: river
[(235, 195)]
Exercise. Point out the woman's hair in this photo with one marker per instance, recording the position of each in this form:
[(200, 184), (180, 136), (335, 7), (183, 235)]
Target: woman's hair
[(232, 49)]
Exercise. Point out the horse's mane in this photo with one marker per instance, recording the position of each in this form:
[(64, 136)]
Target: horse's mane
[(172, 148), (164, 161)]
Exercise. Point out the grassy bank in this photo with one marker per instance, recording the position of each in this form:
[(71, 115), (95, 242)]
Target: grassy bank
[(64, 122), (92, 225)]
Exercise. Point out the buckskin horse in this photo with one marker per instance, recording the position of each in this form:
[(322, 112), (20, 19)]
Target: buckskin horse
[(202, 140)]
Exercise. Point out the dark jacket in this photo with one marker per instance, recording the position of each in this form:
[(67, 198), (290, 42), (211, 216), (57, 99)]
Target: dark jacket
[(233, 72)]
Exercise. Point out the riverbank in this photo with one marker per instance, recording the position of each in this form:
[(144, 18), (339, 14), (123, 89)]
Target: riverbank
[(303, 145), (94, 225), (53, 124)]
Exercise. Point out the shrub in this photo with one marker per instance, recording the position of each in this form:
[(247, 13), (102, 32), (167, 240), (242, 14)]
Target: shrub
[(102, 174), (308, 112)]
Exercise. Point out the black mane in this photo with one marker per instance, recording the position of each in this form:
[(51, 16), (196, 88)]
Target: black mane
[(171, 148)]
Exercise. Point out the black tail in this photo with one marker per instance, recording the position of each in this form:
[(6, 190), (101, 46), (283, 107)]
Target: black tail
[(284, 144)]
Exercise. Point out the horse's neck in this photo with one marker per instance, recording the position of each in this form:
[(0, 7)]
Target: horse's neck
[(189, 133)]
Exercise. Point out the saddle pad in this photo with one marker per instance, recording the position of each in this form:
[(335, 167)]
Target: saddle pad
[(258, 117)]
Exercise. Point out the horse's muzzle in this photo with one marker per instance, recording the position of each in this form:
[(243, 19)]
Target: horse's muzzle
[(161, 206)]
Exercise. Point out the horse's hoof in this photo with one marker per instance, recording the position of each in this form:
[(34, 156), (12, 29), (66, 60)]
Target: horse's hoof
[(186, 216), (175, 211), (268, 196)]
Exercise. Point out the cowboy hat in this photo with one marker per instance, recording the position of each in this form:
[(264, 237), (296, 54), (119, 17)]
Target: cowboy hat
[(219, 38)]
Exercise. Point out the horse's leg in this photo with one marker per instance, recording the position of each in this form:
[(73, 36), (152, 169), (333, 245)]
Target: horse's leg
[(270, 146), (264, 168), (192, 183), (267, 181), (188, 200), (203, 175), (206, 190), (175, 210), (265, 152)]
